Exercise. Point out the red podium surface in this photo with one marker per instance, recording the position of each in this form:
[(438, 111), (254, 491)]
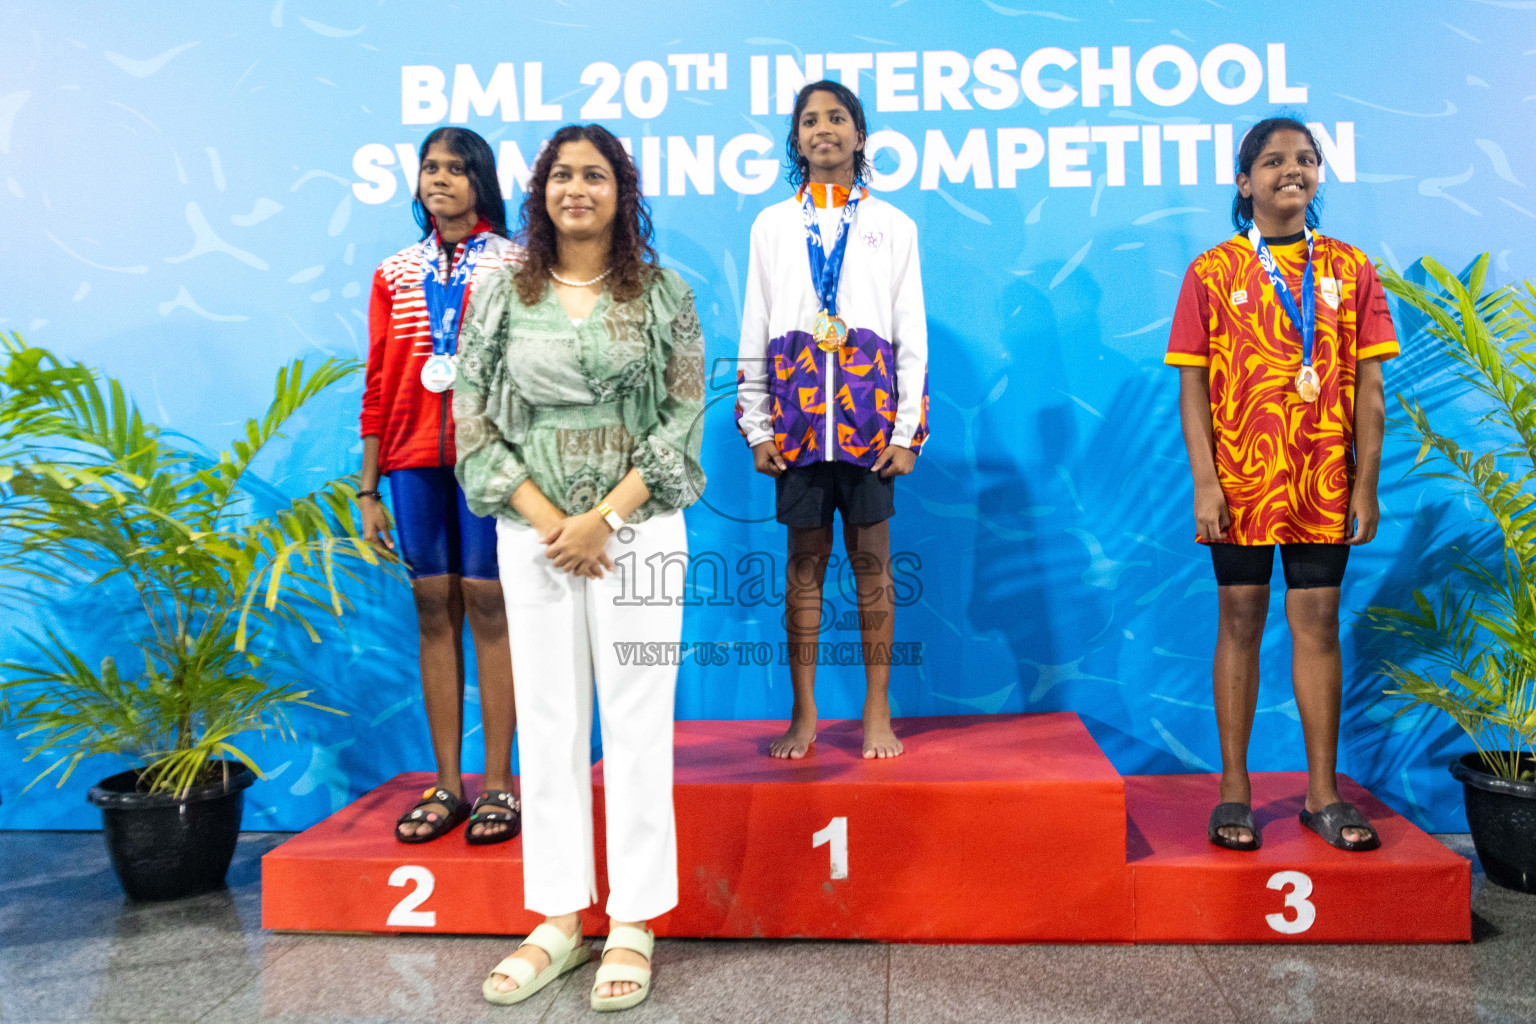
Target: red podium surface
[(990, 828), (349, 874), (1296, 888)]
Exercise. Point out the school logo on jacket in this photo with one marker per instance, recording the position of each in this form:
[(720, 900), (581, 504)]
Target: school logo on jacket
[(873, 238), (1329, 286)]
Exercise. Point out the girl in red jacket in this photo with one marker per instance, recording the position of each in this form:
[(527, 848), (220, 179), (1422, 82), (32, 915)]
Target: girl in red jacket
[(420, 295)]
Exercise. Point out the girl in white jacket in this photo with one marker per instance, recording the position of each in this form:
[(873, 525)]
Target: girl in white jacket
[(832, 392)]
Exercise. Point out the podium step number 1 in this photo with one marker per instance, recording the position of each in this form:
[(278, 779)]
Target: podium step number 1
[(835, 835)]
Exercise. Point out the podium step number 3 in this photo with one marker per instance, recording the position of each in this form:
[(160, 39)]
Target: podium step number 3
[(1306, 912)]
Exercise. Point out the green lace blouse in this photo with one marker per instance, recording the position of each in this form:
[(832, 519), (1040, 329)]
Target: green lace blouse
[(573, 408)]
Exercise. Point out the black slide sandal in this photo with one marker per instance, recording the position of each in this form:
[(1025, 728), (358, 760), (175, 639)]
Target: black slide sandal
[(1331, 821), (458, 810), (494, 808), (1233, 815)]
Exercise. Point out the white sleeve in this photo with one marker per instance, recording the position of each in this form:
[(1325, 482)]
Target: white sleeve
[(909, 337), (754, 410)]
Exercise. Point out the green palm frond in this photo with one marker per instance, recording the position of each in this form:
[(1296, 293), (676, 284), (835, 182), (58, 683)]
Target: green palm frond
[(292, 391), (1475, 646), (91, 491)]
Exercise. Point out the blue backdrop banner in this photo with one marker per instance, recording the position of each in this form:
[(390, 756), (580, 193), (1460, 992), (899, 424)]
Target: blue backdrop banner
[(194, 194)]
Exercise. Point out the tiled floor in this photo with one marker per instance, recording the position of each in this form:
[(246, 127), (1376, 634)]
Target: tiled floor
[(72, 949)]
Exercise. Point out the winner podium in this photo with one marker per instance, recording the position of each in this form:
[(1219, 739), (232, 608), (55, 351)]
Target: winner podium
[(990, 828)]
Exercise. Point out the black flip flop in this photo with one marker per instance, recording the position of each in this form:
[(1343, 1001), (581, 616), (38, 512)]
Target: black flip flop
[(1331, 821), (503, 809), (458, 810), (1233, 815)]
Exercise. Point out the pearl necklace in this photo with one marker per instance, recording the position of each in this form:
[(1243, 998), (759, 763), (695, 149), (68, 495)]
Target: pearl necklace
[(580, 284)]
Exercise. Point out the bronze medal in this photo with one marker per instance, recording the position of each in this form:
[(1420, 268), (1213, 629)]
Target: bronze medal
[(1307, 384), (829, 331)]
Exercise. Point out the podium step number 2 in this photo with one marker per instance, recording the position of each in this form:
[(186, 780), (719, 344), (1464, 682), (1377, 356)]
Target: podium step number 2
[(405, 914)]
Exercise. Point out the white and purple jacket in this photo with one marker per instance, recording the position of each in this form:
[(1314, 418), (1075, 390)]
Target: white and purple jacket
[(878, 379)]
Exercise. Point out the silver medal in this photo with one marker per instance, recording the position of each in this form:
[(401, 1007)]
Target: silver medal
[(437, 373)]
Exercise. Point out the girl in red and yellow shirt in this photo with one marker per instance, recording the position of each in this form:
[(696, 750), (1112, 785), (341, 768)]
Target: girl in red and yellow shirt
[(1279, 335)]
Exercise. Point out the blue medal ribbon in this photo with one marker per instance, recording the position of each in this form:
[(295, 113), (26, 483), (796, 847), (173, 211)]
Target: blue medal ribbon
[(445, 302), (826, 267), (1304, 319)]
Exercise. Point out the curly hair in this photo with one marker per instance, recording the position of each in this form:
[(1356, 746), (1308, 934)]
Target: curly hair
[(631, 254), (797, 169)]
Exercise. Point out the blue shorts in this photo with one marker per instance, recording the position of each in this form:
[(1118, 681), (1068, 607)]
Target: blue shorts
[(435, 532)]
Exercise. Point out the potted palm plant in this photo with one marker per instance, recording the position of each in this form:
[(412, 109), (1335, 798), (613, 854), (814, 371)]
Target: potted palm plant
[(1472, 642), (210, 561)]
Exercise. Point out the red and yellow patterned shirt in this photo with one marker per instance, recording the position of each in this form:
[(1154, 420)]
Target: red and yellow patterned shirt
[(1285, 465)]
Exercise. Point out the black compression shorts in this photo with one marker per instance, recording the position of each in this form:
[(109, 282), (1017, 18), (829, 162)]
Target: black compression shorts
[(1306, 565)]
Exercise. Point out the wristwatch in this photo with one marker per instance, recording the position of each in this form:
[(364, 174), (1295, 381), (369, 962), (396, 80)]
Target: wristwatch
[(612, 518)]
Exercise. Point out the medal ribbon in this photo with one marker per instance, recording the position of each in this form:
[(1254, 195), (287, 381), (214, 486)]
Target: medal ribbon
[(1304, 319), (445, 302), (826, 267)]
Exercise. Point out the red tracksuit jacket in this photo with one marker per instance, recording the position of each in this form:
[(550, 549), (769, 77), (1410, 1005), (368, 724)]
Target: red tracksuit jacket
[(414, 426)]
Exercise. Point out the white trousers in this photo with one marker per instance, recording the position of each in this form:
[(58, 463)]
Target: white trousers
[(565, 631)]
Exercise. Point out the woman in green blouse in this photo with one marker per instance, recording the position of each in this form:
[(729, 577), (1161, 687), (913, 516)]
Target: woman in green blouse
[(579, 406)]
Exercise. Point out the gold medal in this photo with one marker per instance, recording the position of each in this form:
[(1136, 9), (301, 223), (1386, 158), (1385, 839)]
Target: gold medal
[(1307, 384), (829, 331)]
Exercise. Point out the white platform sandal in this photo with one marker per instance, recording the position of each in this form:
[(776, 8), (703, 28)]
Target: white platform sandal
[(638, 940), (566, 953)]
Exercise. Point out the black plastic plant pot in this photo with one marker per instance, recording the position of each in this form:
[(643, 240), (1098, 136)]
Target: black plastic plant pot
[(164, 847), (1502, 815)]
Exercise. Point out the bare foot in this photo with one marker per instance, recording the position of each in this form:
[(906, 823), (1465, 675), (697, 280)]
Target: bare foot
[(880, 739), (536, 957), (796, 741)]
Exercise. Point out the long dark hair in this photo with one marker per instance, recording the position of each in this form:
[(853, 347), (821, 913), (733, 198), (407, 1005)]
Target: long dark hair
[(1253, 144), (479, 167), (797, 168), (631, 255)]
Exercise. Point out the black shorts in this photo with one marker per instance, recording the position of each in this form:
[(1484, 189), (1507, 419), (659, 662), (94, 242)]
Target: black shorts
[(1306, 566), (807, 495)]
